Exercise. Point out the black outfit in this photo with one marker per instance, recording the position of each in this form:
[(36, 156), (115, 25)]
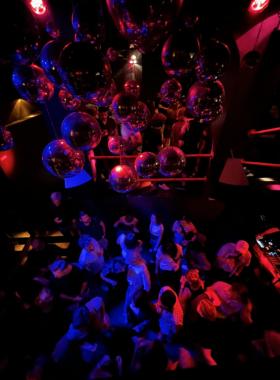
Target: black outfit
[(66, 211), (124, 229), (70, 285), (94, 230), (152, 139), (161, 102)]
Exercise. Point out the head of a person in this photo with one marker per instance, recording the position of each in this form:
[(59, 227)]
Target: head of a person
[(240, 292), (141, 299), (181, 114), (158, 95), (81, 319), (168, 300), (84, 218), (103, 114), (275, 111), (207, 310), (86, 242), (131, 241), (129, 219), (158, 120), (38, 245), (194, 280), (201, 240), (156, 219), (169, 249), (155, 359), (95, 111), (241, 247), (59, 268), (27, 292), (56, 198)]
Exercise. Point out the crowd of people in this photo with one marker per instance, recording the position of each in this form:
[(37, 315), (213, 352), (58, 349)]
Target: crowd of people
[(143, 302), (169, 126)]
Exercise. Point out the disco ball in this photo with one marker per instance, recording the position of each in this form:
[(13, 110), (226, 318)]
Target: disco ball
[(6, 139), (172, 161), (171, 91), (147, 164), (53, 30), (61, 160), (124, 106), (251, 59), (123, 179), (112, 54), (68, 101), (117, 145), (132, 87), (141, 119)]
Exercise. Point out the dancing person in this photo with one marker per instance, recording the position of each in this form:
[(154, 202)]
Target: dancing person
[(196, 255), (138, 277), (168, 260), (184, 232), (156, 230), (125, 225), (129, 244), (176, 128), (191, 287), (94, 227), (233, 258), (107, 367)]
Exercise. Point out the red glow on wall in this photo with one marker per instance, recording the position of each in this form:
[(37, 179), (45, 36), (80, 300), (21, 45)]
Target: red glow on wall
[(38, 6), (258, 5)]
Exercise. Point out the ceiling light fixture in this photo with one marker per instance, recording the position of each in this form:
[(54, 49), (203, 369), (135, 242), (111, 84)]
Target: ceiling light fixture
[(258, 5), (38, 6)]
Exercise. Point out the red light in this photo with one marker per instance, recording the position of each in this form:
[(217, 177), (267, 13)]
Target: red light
[(38, 6), (258, 5)]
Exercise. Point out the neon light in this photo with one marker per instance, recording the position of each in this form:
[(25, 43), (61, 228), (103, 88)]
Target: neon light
[(258, 5), (38, 6)]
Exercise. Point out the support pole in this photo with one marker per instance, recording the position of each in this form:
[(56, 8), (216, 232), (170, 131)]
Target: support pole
[(92, 161)]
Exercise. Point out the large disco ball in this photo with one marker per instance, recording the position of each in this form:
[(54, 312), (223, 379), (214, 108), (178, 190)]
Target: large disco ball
[(88, 22), (61, 160), (6, 139), (144, 23), (112, 54), (251, 59), (171, 91), (172, 161), (180, 53), (213, 61), (204, 100), (53, 30), (141, 119), (84, 71), (123, 179), (81, 131), (117, 145), (132, 87), (32, 84), (124, 106), (49, 61), (147, 164), (103, 97), (20, 42), (68, 101)]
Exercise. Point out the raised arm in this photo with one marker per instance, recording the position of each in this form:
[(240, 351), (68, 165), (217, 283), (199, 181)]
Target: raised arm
[(103, 228)]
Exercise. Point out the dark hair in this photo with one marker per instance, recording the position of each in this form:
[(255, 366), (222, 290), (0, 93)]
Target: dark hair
[(158, 120), (82, 213), (168, 299), (141, 299), (81, 318), (131, 241), (103, 109), (155, 360), (242, 290), (158, 218), (129, 218), (169, 249)]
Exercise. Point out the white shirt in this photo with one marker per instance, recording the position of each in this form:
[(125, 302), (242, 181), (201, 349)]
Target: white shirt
[(155, 229), (90, 259), (166, 262), (125, 250), (229, 250)]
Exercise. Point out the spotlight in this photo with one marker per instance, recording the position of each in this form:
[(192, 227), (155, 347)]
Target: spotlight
[(258, 5), (38, 6), (133, 60)]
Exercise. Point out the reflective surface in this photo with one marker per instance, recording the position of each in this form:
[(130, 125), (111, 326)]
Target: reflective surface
[(123, 179), (172, 161), (117, 145), (53, 30), (213, 61), (6, 139), (84, 71), (124, 106), (171, 91), (68, 101), (132, 87), (104, 98), (88, 22), (141, 119), (144, 23), (81, 131), (112, 54), (180, 53), (20, 42), (61, 160), (49, 61), (147, 164), (32, 84), (204, 100), (251, 59)]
